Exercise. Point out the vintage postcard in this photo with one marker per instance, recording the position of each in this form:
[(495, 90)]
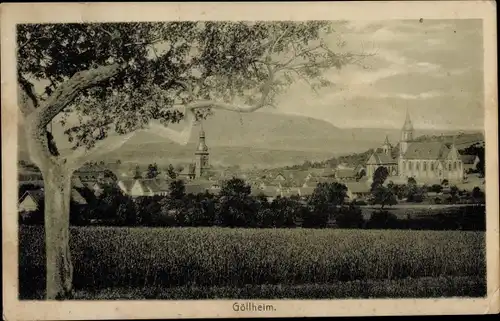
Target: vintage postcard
[(201, 160)]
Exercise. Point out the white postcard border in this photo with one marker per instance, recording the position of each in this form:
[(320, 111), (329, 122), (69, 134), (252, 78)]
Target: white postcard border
[(101, 12)]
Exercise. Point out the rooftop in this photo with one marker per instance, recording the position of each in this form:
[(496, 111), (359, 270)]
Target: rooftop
[(427, 150)]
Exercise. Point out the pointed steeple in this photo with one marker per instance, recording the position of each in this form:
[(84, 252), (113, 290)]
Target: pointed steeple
[(408, 124), (387, 148), (406, 135)]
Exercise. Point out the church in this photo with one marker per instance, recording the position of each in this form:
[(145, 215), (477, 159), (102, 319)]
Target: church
[(200, 167), (427, 161)]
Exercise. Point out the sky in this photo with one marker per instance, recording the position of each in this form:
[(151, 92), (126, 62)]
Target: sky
[(432, 68)]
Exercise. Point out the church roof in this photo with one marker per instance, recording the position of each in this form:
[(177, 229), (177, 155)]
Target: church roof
[(386, 142), (427, 150), (381, 158)]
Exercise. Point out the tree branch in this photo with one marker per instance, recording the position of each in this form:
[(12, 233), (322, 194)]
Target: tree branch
[(68, 91), (182, 137), (271, 50), (300, 54), (26, 98), (37, 121)]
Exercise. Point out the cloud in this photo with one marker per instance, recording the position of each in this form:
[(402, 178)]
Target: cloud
[(390, 63), (427, 66), (434, 42), (424, 95), (434, 68), (360, 25)]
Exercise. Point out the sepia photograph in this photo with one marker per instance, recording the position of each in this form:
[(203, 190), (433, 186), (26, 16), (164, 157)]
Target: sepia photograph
[(249, 160)]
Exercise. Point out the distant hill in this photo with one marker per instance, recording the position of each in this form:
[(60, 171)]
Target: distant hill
[(255, 139)]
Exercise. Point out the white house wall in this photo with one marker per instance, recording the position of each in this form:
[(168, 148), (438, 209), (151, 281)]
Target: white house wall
[(28, 205)]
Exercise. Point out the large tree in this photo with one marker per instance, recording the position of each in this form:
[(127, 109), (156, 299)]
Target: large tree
[(118, 78), (379, 177)]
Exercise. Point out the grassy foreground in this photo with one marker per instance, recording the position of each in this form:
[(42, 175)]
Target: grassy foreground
[(217, 262), (405, 288)]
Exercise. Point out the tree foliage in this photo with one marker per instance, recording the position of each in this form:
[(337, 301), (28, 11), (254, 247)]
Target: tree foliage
[(163, 65), (383, 196), (171, 172), (177, 189), (379, 177), (153, 171), (137, 172)]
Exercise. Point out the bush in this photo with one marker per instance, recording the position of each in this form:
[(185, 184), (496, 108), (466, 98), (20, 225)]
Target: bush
[(359, 202), (107, 257), (350, 217), (383, 219), (436, 188)]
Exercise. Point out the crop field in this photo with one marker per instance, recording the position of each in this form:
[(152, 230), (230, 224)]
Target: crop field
[(112, 258)]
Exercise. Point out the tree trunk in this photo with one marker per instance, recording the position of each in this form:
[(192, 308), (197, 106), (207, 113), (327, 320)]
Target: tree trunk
[(57, 182)]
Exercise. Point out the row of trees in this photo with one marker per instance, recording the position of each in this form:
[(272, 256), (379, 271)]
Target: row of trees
[(153, 171), (234, 206)]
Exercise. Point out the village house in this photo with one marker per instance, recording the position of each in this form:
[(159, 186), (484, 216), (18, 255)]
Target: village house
[(203, 186), (32, 201), (346, 174), (96, 188), (96, 173), (358, 190), (469, 162), (144, 187)]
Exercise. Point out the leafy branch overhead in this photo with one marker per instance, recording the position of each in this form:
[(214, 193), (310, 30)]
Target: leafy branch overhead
[(117, 78)]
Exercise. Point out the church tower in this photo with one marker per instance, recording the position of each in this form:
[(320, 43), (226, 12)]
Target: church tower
[(406, 135), (201, 155), (387, 148)]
